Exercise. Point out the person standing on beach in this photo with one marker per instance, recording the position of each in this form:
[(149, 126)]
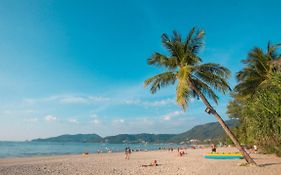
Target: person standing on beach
[(255, 149), (126, 153), (214, 148), (129, 152)]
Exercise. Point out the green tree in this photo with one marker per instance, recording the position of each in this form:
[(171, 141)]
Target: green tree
[(194, 79), (235, 110), (263, 113), (257, 99), (259, 67)]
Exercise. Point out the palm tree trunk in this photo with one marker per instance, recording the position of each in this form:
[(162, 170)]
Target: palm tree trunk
[(223, 124)]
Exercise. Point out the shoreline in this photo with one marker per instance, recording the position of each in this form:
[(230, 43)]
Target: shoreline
[(111, 151), (42, 149), (170, 163)]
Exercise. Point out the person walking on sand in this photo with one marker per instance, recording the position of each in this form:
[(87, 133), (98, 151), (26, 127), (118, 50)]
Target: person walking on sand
[(127, 153), (255, 149)]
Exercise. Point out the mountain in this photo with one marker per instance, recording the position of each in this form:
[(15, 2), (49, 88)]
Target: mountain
[(211, 131), (93, 138), (139, 138)]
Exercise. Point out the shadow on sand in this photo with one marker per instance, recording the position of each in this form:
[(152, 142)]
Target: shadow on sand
[(269, 164)]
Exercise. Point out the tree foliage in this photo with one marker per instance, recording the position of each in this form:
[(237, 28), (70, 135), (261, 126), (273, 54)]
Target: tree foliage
[(194, 79), (257, 71), (183, 66), (257, 100)]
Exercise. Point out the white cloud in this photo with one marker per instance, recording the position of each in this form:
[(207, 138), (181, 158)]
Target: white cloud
[(172, 115), (93, 115), (156, 103), (146, 121), (131, 101), (118, 121), (40, 100), (73, 100), (68, 99), (29, 111), (8, 112), (31, 120), (95, 119), (50, 118), (121, 120), (100, 100), (83, 99), (159, 102), (72, 120)]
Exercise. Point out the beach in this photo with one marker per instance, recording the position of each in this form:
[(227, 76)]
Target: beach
[(193, 162)]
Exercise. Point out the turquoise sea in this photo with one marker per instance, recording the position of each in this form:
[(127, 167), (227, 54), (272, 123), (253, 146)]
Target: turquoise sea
[(28, 149)]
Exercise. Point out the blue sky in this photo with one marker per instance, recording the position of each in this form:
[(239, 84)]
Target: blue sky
[(79, 66)]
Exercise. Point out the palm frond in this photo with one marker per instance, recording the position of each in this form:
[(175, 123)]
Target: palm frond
[(254, 55), (205, 89), (176, 37), (234, 109), (246, 73), (213, 75), (160, 80), (173, 46), (259, 66), (197, 41), (160, 60), (190, 59), (191, 46), (212, 68), (183, 64), (189, 38), (247, 87)]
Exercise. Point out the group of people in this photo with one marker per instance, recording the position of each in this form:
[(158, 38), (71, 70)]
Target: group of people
[(253, 149), (128, 151)]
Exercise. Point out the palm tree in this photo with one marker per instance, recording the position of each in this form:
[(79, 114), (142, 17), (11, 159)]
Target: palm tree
[(194, 79), (257, 82), (258, 70)]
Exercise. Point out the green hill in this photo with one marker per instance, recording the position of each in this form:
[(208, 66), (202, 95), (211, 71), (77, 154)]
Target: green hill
[(93, 138), (211, 131), (139, 138)]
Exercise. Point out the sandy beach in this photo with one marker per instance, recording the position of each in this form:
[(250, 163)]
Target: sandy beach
[(115, 164)]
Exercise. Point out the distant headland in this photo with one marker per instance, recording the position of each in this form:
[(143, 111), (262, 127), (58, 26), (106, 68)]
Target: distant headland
[(200, 133)]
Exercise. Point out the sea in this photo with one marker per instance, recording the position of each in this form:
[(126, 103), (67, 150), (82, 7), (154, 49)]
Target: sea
[(30, 149)]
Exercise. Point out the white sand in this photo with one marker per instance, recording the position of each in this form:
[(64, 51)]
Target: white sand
[(114, 163)]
